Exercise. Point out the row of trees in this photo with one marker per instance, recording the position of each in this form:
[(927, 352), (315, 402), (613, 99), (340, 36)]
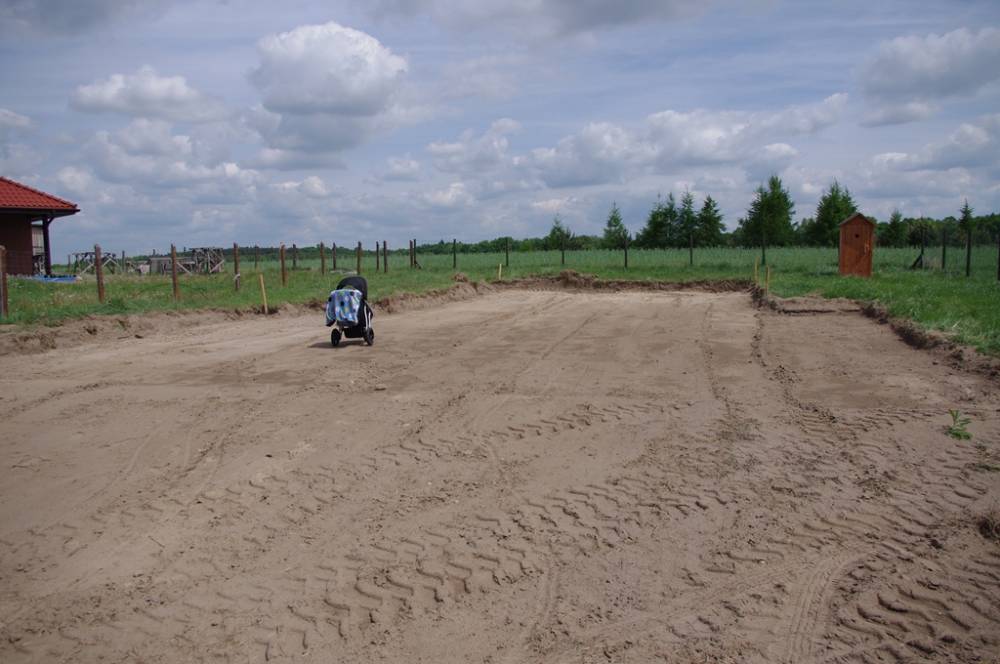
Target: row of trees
[(673, 224)]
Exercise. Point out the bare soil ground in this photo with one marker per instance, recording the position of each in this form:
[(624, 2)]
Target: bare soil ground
[(526, 476)]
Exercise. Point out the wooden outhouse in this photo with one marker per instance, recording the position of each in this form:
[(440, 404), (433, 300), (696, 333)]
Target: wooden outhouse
[(857, 243)]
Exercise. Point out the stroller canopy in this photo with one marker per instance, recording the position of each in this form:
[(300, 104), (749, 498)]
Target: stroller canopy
[(357, 283)]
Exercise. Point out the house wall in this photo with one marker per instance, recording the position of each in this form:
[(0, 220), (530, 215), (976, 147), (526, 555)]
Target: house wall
[(15, 235)]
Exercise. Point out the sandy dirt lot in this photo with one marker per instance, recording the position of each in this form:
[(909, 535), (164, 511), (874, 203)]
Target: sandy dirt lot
[(527, 476)]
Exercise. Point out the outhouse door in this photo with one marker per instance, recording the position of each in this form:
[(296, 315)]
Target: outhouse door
[(856, 239)]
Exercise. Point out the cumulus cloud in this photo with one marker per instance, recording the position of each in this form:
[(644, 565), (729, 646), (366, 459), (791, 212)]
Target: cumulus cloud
[(972, 144), (474, 153), (324, 88), (549, 18), (147, 94), (909, 74)]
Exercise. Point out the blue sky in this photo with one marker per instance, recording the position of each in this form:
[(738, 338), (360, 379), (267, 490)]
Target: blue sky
[(210, 122)]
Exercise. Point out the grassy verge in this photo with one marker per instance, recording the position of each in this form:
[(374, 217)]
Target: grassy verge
[(968, 308)]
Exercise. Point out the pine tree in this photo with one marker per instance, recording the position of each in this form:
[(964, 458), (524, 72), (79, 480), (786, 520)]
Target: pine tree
[(672, 236), (614, 230), (769, 219), (653, 235), (559, 235), (835, 206), (895, 232), (687, 219), (710, 226)]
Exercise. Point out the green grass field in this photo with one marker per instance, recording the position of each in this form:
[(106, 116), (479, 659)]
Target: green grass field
[(968, 308)]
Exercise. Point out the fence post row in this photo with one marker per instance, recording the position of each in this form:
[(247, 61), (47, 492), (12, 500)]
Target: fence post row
[(236, 266), (173, 271), (4, 303), (359, 258), (99, 271), (281, 257)]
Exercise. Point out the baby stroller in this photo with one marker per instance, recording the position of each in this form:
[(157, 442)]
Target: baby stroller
[(348, 313)]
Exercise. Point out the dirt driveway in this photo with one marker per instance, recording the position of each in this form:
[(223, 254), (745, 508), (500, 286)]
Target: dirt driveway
[(526, 476)]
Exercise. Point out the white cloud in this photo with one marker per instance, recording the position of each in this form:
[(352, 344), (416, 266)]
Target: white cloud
[(146, 94), (77, 180), (908, 74), (972, 144), (472, 153), (454, 195), (325, 88), (10, 120), (402, 169)]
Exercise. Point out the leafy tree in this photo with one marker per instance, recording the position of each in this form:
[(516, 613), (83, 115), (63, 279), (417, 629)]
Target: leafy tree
[(687, 219), (710, 227), (769, 219), (559, 235), (835, 206), (614, 230)]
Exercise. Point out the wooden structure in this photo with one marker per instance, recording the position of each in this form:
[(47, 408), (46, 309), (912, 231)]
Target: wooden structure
[(857, 244), (25, 216), (86, 261), (208, 260)]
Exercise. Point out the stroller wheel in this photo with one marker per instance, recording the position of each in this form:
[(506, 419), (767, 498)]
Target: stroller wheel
[(369, 336), (335, 337)]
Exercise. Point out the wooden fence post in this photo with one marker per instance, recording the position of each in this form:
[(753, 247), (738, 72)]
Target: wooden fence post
[(378, 265), (4, 301), (944, 248), (99, 271), (281, 257), (322, 259), (295, 257), (626, 251), (385, 257), (334, 254), (263, 291), (410, 251), (122, 268), (506, 248), (359, 258), (454, 254), (173, 272), (236, 266)]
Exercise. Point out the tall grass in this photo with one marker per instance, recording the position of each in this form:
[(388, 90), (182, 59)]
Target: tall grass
[(968, 308)]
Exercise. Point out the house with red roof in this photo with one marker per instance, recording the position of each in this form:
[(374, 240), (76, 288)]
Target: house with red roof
[(25, 216)]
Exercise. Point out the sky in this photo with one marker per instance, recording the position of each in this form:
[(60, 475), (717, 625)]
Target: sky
[(208, 122)]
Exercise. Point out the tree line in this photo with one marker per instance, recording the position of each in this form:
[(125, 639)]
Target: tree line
[(768, 220)]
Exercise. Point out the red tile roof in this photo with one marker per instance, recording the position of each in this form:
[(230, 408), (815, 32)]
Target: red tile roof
[(22, 197)]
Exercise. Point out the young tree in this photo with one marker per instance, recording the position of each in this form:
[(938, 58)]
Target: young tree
[(559, 235), (687, 219), (654, 234), (966, 223), (835, 206), (710, 226), (895, 231), (614, 230), (672, 236), (769, 219)]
